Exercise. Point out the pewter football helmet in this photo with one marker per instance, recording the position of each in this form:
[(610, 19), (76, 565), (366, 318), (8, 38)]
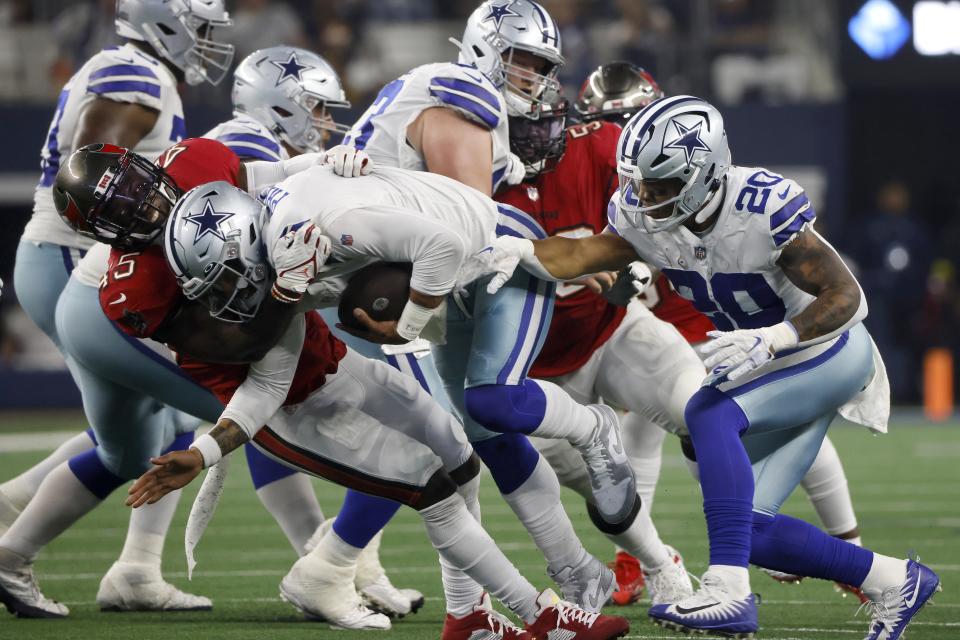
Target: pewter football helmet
[(290, 90), (499, 28), (213, 244), (181, 31), (677, 137)]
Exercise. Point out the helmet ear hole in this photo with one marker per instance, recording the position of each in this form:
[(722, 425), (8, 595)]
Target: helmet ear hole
[(167, 31), (477, 51), (283, 113)]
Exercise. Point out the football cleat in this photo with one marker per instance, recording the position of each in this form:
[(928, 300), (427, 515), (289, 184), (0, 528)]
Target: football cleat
[(375, 587), (781, 577), (844, 589), (561, 620), (589, 586), (712, 609), (21, 594), (630, 582), (8, 512), (324, 591), (611, 476), (128, 586), (671, 583), (415, 597), (900, 603), (483, 623)]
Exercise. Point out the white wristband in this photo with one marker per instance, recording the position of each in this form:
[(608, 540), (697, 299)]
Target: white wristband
[(412, 321), (209, 449)]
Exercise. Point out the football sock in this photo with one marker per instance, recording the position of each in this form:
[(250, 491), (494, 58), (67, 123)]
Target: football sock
[(464, 544), (61, 500), (643, 442), (21, 489), (293, 504), (726, 478), (826, 486), (885, 572), (793, 546), (362, 516), (332, 548), (564, 418), (640, 539), (461, 591), (736, 579)]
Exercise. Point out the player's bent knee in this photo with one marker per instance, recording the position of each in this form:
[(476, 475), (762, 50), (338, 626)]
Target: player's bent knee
[(439, 487), (711, 409), (467, 471), (507, 408)]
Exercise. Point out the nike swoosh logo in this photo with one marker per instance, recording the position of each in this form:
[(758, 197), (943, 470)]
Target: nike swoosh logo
[(754, 345), (485, 250), (122, 298), (783, 194), (913, 598), (684, 612)]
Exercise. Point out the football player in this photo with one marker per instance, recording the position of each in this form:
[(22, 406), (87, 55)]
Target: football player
[(739, 243), (284, 100), (223, 245), (613, 93), (452, 119), (123, 95), (595, 348)]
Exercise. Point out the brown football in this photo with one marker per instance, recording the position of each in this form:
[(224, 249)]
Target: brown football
[(381, 289)]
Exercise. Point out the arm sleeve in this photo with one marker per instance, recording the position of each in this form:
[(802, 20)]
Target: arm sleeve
[(268, 382), (124, 80), (394, 234), (139, 292)]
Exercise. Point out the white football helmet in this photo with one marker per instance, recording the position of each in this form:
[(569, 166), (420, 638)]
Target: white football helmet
[(290, 91), (677, 137), (499, 28), (182, 32), (213, 244)]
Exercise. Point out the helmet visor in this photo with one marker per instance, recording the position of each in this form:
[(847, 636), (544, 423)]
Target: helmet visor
[(209, 59), (650, 203), (135, 204), (231, 292), (530, 81)]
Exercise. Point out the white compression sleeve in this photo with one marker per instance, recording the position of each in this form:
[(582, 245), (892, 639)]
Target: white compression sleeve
[(268, 381)]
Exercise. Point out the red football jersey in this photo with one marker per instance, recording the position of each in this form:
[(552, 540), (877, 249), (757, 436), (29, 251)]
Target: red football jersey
[(667, 305), (321, 354), (139, 292), (572, 201)]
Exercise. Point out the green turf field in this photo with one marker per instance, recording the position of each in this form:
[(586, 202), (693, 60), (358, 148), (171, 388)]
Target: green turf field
[(906, 487)]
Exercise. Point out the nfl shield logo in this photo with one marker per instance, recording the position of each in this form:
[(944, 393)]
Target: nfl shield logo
[(346, 239), (700, 252), (533, 193)]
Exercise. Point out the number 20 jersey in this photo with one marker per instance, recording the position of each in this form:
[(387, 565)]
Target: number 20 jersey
[(382, 130), (730, 273)]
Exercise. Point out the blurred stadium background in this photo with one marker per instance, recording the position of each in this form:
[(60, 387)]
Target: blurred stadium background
[(857, 100)]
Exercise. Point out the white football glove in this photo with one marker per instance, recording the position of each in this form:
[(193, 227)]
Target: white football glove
[(349, 162), (516, 171), (630, 283), (297, 255), (737, 353), (507, 252)]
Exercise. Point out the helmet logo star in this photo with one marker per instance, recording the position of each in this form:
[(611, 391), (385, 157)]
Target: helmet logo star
[(290, 69), (500, 11), (208, 222), (688, 139)]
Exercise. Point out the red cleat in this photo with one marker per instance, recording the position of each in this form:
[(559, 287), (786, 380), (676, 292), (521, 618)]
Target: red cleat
[(629, 579), (490, 624), (558, 618)]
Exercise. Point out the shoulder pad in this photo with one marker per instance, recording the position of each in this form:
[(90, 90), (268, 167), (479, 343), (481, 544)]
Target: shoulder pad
[(139, 292), (468, 91), (248, 139), (121, 75), (780, 200), (196, 161)]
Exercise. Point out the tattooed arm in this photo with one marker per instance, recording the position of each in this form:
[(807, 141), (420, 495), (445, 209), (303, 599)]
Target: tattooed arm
[(813, 266)]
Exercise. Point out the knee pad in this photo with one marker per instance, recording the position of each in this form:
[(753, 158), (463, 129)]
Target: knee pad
[(439, 487), (511, 460), (507, 408), (711, 409)]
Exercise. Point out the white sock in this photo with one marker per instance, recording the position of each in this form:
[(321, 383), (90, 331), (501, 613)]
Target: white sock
[(461, 591), (537, 504), (885, 572), (293, 504), (464, 544), (826, 486), (643, 443), (148, 530), (333, 549), (60, 501), (736, 578), (564, 418), (642, 541), (21, 489)]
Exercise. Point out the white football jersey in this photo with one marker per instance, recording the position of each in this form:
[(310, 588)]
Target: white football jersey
[(382, 130), (124, 74), (392, 215), (730, 273), (249, 139)]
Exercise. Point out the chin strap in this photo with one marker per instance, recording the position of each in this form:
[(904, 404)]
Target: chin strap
[(712, 205)]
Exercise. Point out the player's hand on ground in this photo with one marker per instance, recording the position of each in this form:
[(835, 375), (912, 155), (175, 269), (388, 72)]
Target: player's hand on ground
[(297, 256), (380, 332), (172, 471), (505, 255), (348, 162), (630, 283)]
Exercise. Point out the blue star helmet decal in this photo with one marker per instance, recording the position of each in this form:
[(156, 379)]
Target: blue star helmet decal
[(208, 222), (290, 69), (500, 11), (688, 139)]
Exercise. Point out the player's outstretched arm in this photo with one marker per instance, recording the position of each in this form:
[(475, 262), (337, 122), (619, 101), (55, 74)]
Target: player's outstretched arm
[(813, 265), (177, 469), (119, 123)]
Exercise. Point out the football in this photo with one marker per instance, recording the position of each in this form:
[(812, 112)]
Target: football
[(381, 289)]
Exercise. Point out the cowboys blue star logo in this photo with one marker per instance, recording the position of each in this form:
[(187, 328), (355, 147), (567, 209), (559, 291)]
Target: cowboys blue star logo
[(499, 12), (208, 222), (290, 69), (689, 140)]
